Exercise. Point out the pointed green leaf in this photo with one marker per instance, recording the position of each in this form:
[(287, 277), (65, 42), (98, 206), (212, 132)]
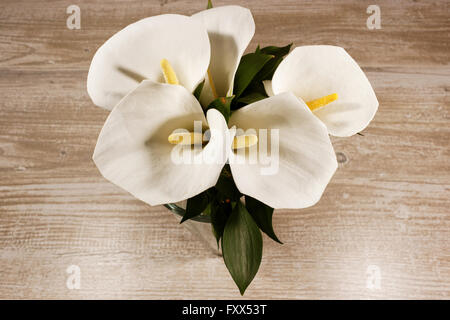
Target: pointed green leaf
[(220, 212), (210, 5), (248, 68), (198, 90), (277, 51), (252, 97), (265, 73), (196, 205), (262, 215), (242, 247), (268, 70), (223, 105), (253, 92)]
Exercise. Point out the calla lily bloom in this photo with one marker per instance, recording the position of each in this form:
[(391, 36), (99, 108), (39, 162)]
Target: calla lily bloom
[(337, 90), (307, 160), (133, 150), (209, 44), (230, 30)]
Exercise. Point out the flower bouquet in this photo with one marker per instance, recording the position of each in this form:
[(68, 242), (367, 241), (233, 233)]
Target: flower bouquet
[(232, 136)]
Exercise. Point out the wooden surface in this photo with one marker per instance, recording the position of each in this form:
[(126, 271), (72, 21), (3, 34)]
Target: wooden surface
[(386, 209)]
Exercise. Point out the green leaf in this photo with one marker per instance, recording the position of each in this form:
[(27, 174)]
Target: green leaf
[(207, 211), (198, 90), (253, 92), (268, 70), (248, 68), (226, 186), (223, 105), (210, 5), (242, 247), (276, 51), (196, 205), (255, 89), (220, 212), (262, 215), (252, 97)]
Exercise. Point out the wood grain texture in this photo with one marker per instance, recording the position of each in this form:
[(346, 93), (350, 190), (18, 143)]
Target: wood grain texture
[(388, 204)]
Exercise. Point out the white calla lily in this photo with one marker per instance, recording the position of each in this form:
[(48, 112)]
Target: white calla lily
[(214, 39), (307, 160), (133, 151), (230, 30), (330, 79), (134, 54)]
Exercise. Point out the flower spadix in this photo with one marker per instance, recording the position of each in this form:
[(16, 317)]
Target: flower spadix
[(331, 83), (133, 150)]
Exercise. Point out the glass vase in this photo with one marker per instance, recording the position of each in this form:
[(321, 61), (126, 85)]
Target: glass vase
[(200, 225)]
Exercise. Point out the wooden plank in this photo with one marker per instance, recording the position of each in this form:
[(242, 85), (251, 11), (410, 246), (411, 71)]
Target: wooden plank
[(386, 207)]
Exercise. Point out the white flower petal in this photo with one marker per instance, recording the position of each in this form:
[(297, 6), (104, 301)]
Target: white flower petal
[(134, 54), (133, 152), (311, 72), (268, 87), (306, 157), (230, 29), (218, 148)]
